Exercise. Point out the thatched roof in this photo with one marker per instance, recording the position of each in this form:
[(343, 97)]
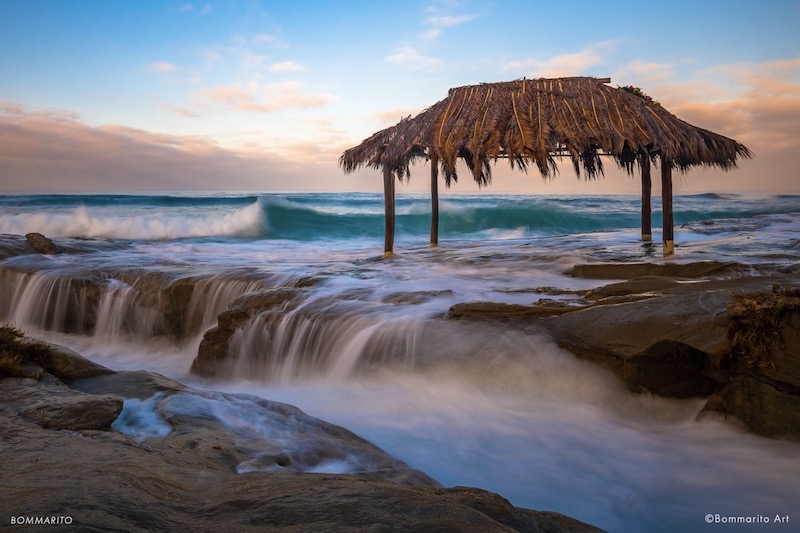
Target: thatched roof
[(534, 122)]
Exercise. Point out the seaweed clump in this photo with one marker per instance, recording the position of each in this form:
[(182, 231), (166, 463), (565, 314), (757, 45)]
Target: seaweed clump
[(756, 325), (20, 357)]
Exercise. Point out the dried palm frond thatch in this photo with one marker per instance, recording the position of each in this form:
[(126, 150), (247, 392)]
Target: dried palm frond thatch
[(535, 122)]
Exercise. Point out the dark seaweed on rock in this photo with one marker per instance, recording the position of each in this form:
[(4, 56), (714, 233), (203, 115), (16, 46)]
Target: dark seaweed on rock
[(756, 324), (18, 357)]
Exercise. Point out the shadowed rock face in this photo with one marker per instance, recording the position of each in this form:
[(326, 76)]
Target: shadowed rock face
[(660, 334), (764, 351), (179, 459)]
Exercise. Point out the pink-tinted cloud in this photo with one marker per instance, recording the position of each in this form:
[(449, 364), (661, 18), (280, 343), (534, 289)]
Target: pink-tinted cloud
[(54, 151), (266, 98), (286, 66), (408, 57), (569, 64), (390, 117), (162, 66)]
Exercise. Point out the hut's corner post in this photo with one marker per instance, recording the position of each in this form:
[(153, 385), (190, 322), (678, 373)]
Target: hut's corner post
[(388, 203), (666, 203), (434, 201), (647, 187)]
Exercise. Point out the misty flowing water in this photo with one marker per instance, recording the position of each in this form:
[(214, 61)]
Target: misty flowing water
[(367, 348)]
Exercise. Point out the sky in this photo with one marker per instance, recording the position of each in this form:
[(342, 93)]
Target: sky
[(249, 95)]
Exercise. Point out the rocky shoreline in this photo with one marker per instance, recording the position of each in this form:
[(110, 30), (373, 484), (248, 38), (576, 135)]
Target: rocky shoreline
[(100, 450), (664, 329), (669, 330), (134, 451)]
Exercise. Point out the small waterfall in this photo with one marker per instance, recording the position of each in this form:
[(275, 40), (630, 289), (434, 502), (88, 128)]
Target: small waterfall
[(333, 342), (47, 301), (212, 295), (333, 338), (120, 315), (131, 305)]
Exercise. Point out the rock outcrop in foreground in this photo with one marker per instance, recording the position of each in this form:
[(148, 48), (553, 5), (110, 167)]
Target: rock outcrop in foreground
[(694, 330), (663, 329), (134, 451)]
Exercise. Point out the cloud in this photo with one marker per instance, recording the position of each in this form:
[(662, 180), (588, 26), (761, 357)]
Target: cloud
[(54, 151), (162, 66), (266, 98), (437, 21), (571, 64), (251, 61), (264, 38), (180, 111), (393, 116), (447, 21), (650, 71), (765, 117), (286, 66), (409, 57), (212, 57), (186, 8)]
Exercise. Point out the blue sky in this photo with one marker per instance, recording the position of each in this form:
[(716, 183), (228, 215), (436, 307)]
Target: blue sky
[(265, 95)]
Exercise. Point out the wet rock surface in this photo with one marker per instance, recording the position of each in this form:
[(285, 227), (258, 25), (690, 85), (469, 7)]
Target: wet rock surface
[(178, 459), (665, 331), (764, 357), (213, 354), (41, 244)]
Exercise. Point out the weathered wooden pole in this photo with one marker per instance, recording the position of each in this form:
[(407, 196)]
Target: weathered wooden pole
[(388, 205), (434, 201), (647, 187), (666, 206)]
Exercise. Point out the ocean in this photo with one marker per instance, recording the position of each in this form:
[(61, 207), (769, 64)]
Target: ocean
[(513, 414)]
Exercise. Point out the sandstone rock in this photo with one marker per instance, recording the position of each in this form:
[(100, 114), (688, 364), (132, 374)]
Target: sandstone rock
[(110, 483), (642, 285), (52, 405), (764, 351), (502, 310), (636, 270), (224, 465), (413, 298), (679, 326), (75, 411), (663, 335), (66, 364), (41, 244), (212, 354), (765, 407), (131, 384)]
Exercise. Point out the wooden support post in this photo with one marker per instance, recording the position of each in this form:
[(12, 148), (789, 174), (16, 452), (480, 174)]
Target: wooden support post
[(434, 201), (666, 204), (388, 205), (647, 186)]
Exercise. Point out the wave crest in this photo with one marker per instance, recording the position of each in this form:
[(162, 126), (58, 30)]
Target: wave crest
[(84, 222)]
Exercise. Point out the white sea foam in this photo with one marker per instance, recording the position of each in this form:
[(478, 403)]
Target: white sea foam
[(140, 420), (106, 223)]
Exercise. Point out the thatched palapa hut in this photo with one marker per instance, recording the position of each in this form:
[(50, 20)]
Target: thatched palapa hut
[(539, 122)]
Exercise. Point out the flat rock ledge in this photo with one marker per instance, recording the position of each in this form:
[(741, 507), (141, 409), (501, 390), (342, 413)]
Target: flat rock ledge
[(135, 451), (668, 329)]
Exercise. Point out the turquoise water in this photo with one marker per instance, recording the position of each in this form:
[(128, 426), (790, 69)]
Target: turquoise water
[(350, 216)]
